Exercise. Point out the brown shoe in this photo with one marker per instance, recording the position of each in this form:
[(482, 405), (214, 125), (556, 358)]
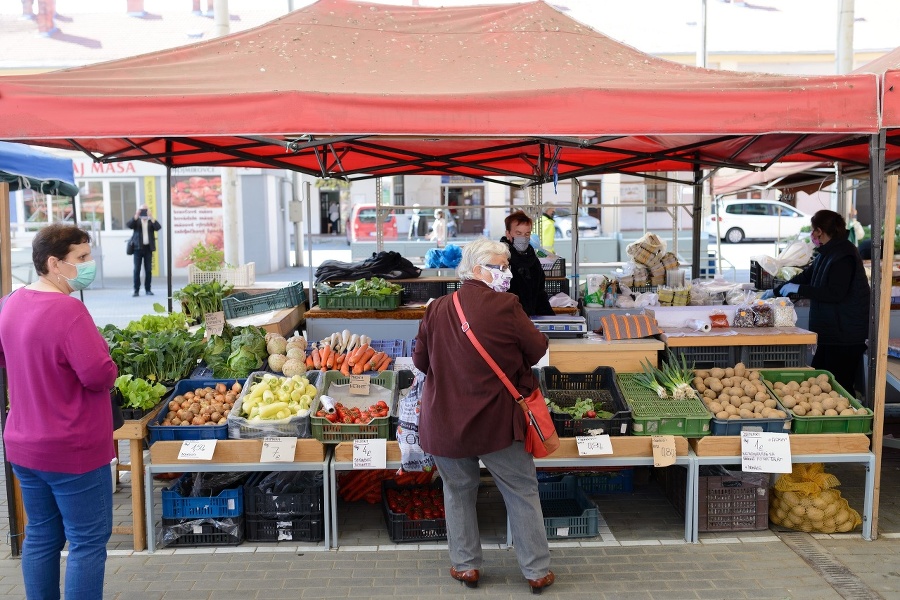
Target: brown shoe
[(469, 577), (538, 585)]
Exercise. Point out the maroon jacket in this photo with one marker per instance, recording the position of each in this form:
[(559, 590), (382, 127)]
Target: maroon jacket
[(466, 409)]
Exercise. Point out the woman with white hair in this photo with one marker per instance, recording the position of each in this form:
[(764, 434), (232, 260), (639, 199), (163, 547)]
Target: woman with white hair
[(468, 415)]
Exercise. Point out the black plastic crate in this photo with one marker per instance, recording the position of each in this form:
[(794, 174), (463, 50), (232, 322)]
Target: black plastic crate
[(762, 279), (706, 357), (421, 291), (775, 357), (555, 286), (557, 269), (403, 529), (268, 504), (180, 533), (600, 386), (307, 528)]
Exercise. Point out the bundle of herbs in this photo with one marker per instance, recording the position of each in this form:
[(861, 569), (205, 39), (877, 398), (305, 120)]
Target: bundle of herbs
[(164, 356), (673, 380), (197, 299)]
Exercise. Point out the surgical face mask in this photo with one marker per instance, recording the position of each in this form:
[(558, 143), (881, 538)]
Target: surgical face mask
[(500, 278), (84, 277), (816, 241), (521, 243)]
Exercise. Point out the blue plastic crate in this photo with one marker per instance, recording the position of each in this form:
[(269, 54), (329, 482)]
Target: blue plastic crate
[(392, 348), (159, 432), (228, 503)]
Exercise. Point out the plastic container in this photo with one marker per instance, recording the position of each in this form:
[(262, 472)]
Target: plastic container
[(421, 291), (557, 269), (283, 506), (307, 528), (403, 529), (392, 348), (823, 424), (228, 503), (333, 433), (565, 388), (242, 304), (611, 481), (179, 533), (159, 432), (242, 428), (656, 416), (555, 286), (775, 357), (762, 279), (568, 512), (335, 302), (242, 276), (726, 500), (706, 357)]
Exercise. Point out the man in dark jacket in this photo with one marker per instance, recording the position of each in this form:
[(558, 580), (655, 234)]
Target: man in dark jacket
[(528, 274), (143, 239), (838, 289)]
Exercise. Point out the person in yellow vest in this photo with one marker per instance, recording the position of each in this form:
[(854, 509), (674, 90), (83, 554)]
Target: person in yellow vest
[(548, 229)]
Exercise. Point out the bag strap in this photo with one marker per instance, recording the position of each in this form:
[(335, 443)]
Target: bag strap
[(484, 354)]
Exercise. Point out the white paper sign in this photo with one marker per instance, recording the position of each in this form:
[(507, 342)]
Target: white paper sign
[(278, 449), (763, 452), (369, 454), (197, 450), (403, 363), (593, 445)]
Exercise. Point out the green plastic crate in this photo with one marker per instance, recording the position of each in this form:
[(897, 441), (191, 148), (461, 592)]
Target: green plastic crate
[(656, 416), (333, 302), (815, 424), (333, 433)]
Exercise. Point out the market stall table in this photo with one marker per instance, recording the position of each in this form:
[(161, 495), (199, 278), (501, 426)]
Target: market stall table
[(756, 347), (805, 448), (234, 455), (584, 355)]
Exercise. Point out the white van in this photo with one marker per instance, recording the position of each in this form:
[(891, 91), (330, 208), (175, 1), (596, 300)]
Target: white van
[(738, 220)]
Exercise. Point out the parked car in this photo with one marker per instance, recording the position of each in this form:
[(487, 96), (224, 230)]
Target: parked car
[(588, 226), (737, 220), (361, 224)]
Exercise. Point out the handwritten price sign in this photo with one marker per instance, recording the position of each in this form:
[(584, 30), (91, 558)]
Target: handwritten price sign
[(593, 445), (197, 450), (763, 452), (664, 453), (278, 449), (369, 454)]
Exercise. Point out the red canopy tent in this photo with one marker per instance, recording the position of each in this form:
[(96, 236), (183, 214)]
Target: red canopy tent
[(351, 89)]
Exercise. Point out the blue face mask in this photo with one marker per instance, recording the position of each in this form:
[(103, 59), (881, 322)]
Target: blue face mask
[(84, 277)]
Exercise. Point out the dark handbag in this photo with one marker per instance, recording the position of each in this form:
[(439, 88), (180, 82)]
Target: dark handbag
[(129, 246), (118, 419), (540, 435)]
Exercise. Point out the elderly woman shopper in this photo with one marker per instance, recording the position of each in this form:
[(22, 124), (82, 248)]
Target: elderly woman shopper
[(838, 290), (59, 436), (468, 415)]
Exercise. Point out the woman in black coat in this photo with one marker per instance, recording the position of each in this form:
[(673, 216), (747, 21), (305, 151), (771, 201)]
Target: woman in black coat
[(838, 289)]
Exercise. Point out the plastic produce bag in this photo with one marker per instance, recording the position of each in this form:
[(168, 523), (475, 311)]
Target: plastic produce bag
[(412, 457), (806, 499), (785, 315), (595, 290), (797, 255), (763, 315)]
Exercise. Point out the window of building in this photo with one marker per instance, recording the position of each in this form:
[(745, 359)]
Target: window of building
[(656, 196), (398, 190), (44, 208), (107, 203), (757, 195)]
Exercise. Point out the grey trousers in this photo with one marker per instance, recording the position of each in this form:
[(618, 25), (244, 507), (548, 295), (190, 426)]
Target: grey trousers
[(514, 473)]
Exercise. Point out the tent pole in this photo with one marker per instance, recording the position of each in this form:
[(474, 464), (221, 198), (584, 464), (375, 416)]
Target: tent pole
[(697, 223), (576, 206), (169, 225), (881, 301), (309, 245)]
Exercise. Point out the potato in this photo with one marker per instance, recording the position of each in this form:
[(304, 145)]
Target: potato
[(708, 393), (740, 370), (729, 372), (728, 382), (862, 411), (701, 373), (717, 373), (716, 407), (722, 414), (825, 386), (753, 376), (799, 410)]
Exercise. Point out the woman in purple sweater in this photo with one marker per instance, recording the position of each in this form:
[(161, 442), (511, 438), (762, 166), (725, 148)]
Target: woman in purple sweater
[(59, 431)]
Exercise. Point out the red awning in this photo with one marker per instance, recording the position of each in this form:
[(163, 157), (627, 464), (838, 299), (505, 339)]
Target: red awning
[(351, 88)]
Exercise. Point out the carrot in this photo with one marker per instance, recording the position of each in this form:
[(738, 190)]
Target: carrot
[(384, 364), (317, 360), (339, 360), (375, 361), (331, 359), (357, 354), (324, 353), (366, 357), (345, 368), (358, 368), (309, 361)]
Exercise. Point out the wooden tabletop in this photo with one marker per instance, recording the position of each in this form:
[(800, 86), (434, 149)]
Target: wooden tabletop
[(404, 312), (741, 336)]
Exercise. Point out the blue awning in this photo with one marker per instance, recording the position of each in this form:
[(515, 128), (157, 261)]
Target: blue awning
[(44, 172)]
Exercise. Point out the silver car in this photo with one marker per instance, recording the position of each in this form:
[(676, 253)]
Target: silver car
[(588, 226)]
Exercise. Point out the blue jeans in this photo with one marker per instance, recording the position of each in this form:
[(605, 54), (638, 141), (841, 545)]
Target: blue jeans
[(513, 471), (60, 507)]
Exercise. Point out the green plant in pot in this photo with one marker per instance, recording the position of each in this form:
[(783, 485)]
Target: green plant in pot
[(207, 257)]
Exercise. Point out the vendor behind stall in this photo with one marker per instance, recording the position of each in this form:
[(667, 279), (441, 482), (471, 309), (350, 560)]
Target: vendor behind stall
[(838, 289), (528, 274)]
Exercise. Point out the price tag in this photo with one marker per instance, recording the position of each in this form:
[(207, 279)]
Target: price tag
[(278, 449), (215, 323), (763, 452), (369, 454), (402, 363), (593, 445), (359, 385), (663, 450), (197, 450)]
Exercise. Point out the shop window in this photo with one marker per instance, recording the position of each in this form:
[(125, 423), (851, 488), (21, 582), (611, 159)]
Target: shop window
[(399, 199), (90, 199), (123, 202), (656, 196), (41, 209)]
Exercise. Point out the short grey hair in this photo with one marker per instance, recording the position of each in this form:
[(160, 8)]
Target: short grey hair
[(479, 252)]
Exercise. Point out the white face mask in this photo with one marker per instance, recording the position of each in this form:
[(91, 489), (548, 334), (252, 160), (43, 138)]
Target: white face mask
[(500, 279)]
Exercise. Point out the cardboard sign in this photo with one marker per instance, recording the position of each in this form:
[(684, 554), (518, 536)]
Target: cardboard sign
[(664, 453), (359, 385), (369, 454), (278, 449), (763, 452), (197, 450), (215, 323), (593, 445)]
